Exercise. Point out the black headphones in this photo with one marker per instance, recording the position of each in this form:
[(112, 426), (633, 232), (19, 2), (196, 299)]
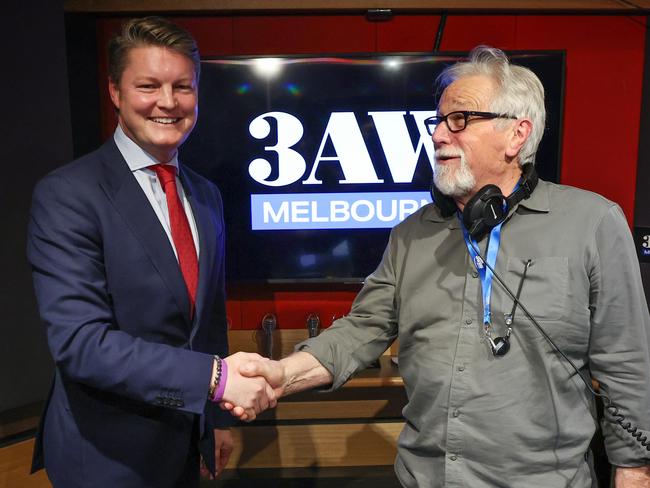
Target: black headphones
[(488, 208)]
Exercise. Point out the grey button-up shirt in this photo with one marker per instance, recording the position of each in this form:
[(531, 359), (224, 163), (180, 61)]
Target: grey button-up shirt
[(524, 419)]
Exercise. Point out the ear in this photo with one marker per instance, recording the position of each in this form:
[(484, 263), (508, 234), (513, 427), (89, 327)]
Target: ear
[(114, 92), (518, 135)]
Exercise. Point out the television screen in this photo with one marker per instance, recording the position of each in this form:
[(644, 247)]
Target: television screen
[(317, 158)]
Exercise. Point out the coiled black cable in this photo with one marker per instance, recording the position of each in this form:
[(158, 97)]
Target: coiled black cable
[(619, 418)]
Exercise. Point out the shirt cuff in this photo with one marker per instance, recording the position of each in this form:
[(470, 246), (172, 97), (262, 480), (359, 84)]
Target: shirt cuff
[(333, 358)]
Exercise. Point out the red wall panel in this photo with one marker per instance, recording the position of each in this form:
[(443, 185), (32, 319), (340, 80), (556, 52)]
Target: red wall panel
[(214, 35), (292, 308), (463, 32), (233, 314), (604, 75), (303, 34), (407, 33)]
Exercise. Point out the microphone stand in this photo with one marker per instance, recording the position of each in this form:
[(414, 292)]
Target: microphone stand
[(269, 324)]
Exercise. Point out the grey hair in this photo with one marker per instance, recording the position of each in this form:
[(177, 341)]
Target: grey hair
[(520, 93)]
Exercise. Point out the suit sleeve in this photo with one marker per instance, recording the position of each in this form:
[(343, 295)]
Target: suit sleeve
[(620, 337), (65, 250), (216, 418)]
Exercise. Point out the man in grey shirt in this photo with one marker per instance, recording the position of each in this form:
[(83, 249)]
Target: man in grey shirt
[(490, 400)]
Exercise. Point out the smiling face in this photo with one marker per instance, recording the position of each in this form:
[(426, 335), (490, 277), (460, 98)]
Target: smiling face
[(156, 98), (478, 155)]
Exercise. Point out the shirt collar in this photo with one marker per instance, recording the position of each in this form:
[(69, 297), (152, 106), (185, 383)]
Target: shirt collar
[(432, 213), (539, 199), (136, 157), (537, 202)]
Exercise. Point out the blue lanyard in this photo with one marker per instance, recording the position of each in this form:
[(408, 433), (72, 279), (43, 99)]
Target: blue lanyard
[(484, 272)]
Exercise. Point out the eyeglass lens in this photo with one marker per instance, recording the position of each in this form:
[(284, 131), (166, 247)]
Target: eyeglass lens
[(456, 121)]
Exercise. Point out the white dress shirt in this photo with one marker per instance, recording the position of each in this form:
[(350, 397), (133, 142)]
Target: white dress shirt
[(139, 161)]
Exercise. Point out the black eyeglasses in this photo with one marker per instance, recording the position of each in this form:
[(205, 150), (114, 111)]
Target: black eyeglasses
[(457, 121)]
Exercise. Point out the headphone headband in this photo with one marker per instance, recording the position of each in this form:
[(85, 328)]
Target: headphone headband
[(526, 185)]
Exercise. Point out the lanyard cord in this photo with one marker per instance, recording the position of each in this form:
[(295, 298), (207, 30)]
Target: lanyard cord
[(485, 268), (485, 273)]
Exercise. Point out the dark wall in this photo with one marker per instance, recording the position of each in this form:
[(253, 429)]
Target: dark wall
[(36, 137)]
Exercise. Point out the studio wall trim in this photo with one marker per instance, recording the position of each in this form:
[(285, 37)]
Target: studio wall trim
[(264, 6)]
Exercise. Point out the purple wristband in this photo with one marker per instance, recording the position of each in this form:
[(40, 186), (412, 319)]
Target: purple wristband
[(221, 387)]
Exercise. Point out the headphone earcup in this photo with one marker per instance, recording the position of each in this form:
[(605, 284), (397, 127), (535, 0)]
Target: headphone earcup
[(484, 211)]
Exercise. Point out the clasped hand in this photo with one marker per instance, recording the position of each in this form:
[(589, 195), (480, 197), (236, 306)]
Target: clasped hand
[(254, 384)]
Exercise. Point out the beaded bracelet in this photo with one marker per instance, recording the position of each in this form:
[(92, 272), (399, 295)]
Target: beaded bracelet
[(218, 386)]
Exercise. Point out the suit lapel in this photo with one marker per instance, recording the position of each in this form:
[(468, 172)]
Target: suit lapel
[(132, 204), (204, 218)]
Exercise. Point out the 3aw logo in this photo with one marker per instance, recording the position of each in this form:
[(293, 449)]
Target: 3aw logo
[(343, 131), (338, 210)]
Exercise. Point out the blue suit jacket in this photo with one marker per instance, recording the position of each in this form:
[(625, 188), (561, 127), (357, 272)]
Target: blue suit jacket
[(132, 368)]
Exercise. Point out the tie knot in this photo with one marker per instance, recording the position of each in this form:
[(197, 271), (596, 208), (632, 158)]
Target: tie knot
[(166, 173)]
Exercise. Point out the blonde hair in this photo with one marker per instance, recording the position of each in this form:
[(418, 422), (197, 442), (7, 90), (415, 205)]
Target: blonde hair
[(150, 31)]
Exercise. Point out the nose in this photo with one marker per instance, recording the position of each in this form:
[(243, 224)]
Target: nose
[(167, 99), (441, 134)]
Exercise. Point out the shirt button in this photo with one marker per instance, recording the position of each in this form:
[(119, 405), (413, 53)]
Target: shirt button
[(461, 368), (453, 457), (455, 413), (474, 274), (468, 321)]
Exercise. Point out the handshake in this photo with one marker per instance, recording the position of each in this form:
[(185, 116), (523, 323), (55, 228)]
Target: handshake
[(255, 383)]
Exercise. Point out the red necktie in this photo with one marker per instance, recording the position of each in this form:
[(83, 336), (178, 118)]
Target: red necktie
[(181, 233)]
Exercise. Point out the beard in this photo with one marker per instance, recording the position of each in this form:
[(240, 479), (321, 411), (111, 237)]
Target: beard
[(451, 181)]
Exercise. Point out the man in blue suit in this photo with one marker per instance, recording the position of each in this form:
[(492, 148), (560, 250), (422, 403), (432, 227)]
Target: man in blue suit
[(126, 247)]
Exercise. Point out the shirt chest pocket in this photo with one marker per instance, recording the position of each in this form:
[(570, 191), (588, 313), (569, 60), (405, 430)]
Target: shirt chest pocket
[(544, 287)]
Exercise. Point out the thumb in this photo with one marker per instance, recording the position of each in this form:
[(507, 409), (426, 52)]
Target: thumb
[(252, 368)]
